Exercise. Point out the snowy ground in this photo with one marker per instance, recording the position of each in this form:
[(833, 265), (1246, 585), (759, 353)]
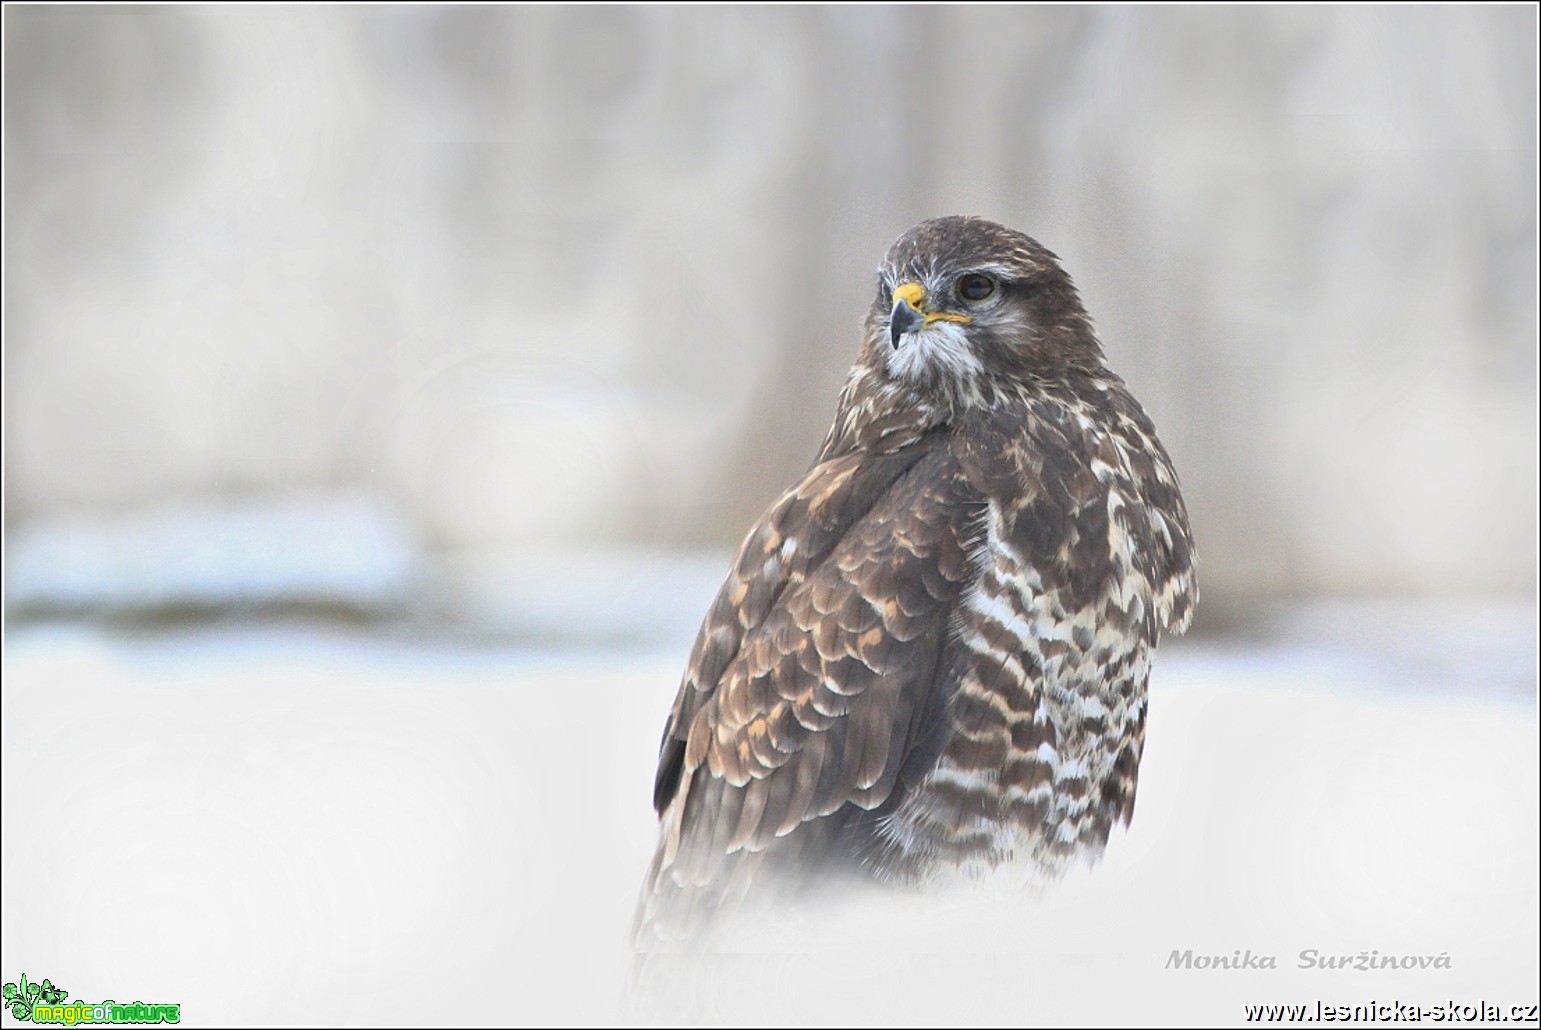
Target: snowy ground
[(276, 822)]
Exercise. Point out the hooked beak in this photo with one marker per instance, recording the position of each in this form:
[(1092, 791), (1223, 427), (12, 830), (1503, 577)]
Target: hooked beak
[(903, 319), (906, 314)]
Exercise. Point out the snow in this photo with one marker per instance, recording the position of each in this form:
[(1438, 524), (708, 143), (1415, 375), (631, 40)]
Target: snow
[(266, 822)]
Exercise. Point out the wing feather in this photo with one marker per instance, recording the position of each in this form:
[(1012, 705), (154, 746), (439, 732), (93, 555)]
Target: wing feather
[(810, 669)]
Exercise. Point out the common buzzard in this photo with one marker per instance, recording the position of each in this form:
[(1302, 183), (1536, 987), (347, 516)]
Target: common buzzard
[(931, 654)]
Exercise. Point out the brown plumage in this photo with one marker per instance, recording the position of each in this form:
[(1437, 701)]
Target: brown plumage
[(932, 651)]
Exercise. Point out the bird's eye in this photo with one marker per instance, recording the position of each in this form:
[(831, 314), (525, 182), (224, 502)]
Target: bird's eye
[(975, 287)]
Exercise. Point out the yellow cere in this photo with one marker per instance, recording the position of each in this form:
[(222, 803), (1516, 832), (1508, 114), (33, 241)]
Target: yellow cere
[(913, 293)]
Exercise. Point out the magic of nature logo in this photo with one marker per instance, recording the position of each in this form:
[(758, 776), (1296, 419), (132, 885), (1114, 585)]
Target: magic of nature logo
[(45, 1003)]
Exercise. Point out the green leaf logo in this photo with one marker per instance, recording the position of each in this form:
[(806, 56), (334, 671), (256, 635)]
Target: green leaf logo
[(23, 997)]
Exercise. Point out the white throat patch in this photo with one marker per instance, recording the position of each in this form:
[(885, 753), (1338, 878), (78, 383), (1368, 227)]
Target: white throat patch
[(941, 347)]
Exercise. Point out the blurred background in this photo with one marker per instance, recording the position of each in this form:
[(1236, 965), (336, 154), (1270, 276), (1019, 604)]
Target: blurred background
[(390, 386)]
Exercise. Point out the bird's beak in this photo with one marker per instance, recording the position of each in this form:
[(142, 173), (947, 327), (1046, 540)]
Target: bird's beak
[(906, 314), (903, 319)]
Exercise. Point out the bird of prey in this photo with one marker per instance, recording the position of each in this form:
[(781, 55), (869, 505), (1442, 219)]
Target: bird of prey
[(931, 653)]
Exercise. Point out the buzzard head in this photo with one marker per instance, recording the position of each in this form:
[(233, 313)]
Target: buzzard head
[(965, 306)]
